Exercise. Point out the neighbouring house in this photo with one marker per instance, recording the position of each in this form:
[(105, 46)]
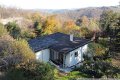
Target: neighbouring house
[(62, 50)]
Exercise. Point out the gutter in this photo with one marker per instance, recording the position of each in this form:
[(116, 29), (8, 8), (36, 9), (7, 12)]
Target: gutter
[(78, 47)]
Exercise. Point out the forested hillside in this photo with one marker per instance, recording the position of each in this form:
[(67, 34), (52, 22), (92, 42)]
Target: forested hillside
[(91, 12), (6, 12)]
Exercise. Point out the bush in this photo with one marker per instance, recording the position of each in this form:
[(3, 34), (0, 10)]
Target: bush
[(15, 52), (5, 46), (31, 71), (99, 69), (97, 49), (21, 48), (28, 35), (3, 31), (84, 32), (13, 29)]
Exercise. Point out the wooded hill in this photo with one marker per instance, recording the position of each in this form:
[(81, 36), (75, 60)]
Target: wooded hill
[(74, 14), (6, 12), (90, 12)]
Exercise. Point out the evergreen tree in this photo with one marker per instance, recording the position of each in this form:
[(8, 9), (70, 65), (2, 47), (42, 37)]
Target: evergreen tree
[(13, 29), (38, 28)]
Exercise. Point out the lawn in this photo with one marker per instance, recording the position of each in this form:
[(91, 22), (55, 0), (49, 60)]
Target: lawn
[(67, 76)]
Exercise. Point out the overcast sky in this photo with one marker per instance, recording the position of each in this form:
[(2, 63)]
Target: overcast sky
[(58, 4)]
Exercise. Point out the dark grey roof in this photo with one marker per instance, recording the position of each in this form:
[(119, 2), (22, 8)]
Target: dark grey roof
[(58, 41)]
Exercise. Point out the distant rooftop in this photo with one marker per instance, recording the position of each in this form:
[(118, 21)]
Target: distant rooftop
[(58, 41)]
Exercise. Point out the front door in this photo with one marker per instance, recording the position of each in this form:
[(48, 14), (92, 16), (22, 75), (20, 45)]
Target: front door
[(56, 57)]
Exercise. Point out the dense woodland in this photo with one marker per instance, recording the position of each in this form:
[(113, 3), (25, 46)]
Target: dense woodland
[(17, 60), (90, 12)]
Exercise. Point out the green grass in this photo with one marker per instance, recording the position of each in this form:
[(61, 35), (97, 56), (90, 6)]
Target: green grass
[(118, 76), (68, 76)]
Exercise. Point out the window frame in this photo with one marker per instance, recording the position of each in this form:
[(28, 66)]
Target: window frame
[(76, 54)]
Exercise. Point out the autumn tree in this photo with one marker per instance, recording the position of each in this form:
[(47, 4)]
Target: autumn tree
[(69, 27), (37, 20), (107, 20), (94, 25), (50, 25), (28, 34), (36, 16), (21, 63), (22, 49), (15, 52), (85, 32), (110, 25), (114, 36), (85, 22)]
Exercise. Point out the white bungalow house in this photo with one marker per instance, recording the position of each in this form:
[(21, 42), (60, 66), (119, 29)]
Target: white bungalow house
[(62, 50)]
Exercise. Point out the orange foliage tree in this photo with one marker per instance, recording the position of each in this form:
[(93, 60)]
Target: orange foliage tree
[(51, 25)]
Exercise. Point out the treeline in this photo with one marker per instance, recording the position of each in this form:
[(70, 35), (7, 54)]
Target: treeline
[(105, 50), (37, 25), (83, 27), (90, 12), (110, 24), (6, 12)]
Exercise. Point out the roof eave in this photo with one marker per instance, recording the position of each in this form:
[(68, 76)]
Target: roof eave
[(78, 47), (66, 52)]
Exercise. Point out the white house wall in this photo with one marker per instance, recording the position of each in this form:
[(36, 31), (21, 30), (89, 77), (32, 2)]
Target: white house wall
[(43, 55), (72, 60), (84, 48)]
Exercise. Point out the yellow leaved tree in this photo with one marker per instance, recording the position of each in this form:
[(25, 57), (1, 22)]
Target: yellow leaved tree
[(50, 25)]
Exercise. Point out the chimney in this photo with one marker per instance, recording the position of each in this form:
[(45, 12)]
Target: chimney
[(71, 37)]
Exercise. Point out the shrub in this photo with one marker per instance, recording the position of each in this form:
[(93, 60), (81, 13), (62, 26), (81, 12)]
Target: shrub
[(13, 29), (38, 28), (3, 31), (97, 49), (85, 32), (31, 71), (21, 48), (28, 35), (15, 52), (99, 69)]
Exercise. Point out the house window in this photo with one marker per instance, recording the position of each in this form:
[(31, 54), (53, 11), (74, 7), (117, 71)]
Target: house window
[(76, 54)]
